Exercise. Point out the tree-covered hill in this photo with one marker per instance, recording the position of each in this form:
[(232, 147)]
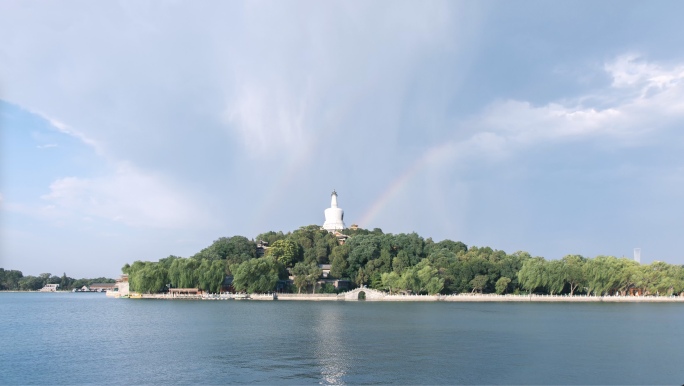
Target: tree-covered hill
[(398, 263)]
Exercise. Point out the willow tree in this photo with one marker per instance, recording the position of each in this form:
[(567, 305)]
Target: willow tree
[(428, 275), (531, 275), (502, 285), (391, 281), (211, 275), (573, 273), (554, 276), (602, 274), (185, 273), (256, 275), (410, 280), (148, 277)]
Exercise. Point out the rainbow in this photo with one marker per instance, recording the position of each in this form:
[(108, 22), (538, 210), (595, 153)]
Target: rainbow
[(429, 157)]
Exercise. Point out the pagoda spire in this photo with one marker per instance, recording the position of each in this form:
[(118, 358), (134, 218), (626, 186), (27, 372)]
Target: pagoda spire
[(333, 199)]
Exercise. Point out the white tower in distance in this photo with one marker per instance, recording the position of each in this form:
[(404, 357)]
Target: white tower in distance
[(637, 255), (334, 216)]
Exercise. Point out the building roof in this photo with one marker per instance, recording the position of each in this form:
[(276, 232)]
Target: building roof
[(103, 285)]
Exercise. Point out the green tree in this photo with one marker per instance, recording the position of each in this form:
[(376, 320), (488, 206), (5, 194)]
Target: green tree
[(452, 246), (211, 275), (315, 242), (391, 281), (602, 275), (554, 276), (628, 275), (256, 275), (338, 257), (573, 271), (502, 285), (305, 275), (660, 278), (185, 273), (401, 262), (479, 283), (148, 277), (428, 275), (375, 268), (411, 244), (410, 280), (286, 252), (234, 249), (531, 275), (270, 237), (362, 249), (10, 279), (30, 283), (362, 277)]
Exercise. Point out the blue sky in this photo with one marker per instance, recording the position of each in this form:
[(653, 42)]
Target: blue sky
[(134, 130)]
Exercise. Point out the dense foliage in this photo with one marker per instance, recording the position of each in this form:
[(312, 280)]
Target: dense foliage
[(401, 263), (13, 280)]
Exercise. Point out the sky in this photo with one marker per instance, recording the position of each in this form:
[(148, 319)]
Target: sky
[(135, 130)]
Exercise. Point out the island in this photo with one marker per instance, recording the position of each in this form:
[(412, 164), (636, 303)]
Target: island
[(332, 262)]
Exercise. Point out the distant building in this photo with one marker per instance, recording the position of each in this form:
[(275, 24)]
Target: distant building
[(227, 285), (341, 238), (50, 288), (261, 248), (325, 269), (121, 288), (102, 287)]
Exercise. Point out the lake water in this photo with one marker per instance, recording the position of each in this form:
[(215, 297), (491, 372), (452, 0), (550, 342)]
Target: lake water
[(67, 338)]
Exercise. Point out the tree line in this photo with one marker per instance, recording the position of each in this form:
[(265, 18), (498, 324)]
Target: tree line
[(397, 263), (13, 280)]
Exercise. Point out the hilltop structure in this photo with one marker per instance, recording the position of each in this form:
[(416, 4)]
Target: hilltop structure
[(334, 216)]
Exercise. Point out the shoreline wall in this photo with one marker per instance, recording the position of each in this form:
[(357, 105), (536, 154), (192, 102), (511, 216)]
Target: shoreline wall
[(490, 298), (471, 298), (560, 298), (310, 297)]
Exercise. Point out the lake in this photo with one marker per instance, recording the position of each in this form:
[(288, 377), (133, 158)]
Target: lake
[(72, 338)]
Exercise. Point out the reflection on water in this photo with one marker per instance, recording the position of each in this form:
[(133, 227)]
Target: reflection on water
[(330, 351), (45, 336)]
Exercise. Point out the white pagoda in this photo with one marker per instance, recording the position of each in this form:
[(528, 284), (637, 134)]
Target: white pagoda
[(334, 216)]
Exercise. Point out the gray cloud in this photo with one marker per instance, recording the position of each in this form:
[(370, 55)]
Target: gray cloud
[(246, 115)]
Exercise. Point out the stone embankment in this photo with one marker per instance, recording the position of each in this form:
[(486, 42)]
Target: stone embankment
[(310, 297), (373, 295), (559, 298)]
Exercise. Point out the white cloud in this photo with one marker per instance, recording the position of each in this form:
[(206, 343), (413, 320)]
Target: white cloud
[(130, 196), (644, 98), (46, 146), (630, 71)]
